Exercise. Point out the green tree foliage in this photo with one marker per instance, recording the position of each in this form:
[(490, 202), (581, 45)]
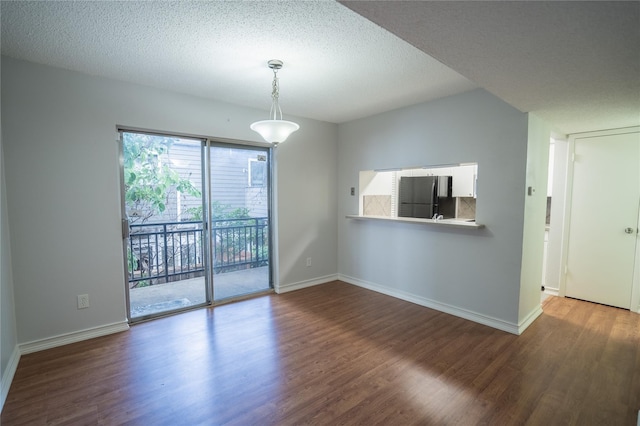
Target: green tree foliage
[(148, 179), (219, 212)]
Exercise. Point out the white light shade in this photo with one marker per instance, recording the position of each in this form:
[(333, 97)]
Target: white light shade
[(274, 131)]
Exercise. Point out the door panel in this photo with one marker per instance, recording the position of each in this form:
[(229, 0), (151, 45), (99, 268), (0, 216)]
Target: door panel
[(239, 225), (604, 203), (164, 244)]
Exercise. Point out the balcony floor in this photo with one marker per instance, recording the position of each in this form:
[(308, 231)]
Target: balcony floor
[(181, 294)]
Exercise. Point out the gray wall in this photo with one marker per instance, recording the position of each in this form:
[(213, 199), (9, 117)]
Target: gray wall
[(307, 213), (8, 337), (62, 178), (478, 271)]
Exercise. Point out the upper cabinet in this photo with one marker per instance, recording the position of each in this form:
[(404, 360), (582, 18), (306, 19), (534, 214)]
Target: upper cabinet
[(464, 180)]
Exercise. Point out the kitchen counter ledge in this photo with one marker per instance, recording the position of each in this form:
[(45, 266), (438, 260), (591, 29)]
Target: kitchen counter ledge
[(460, 223)]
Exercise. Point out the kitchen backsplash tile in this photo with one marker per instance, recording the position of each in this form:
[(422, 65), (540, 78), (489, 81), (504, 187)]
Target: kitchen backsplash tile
[(377, 205), (466, 208)]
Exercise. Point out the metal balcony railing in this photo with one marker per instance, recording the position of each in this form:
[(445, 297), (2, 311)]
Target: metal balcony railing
[(171, 251)]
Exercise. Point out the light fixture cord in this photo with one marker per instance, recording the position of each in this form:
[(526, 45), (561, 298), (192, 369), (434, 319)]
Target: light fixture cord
[(275, 94)]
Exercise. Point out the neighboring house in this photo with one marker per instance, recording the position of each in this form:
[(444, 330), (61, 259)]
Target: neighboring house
[(239, 181)]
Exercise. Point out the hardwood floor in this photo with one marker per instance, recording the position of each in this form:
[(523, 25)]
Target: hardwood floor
[(338, 354)]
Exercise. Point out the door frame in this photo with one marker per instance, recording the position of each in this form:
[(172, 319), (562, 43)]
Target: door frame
[(124, 226), (635, 285)]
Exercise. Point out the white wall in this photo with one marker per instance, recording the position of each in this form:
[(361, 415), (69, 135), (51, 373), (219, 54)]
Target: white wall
[(474, 271), (554, 246), (60, 136), (535, 209)]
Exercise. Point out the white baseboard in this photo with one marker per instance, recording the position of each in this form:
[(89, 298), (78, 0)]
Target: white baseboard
[(529, 319), (283, 288), (552, 291), (442, 307), (76, 336), (7, 376)]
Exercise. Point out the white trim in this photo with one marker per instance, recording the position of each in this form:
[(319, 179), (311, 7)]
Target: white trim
[(529, 319), (554, 266), (552, 291), (606, 132), (634, 305), (7, 377), (283, 288), (73, 337), (566, 220), (499, 324)]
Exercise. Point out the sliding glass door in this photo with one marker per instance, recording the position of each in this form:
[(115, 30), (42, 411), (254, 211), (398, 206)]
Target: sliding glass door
[(195, 225), (239, 211)]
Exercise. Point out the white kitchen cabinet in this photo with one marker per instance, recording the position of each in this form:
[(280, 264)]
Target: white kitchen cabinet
[(436, 171), (464, 181)]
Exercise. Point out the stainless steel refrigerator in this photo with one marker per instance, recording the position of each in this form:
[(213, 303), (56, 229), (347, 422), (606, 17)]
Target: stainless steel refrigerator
[(419, 195)]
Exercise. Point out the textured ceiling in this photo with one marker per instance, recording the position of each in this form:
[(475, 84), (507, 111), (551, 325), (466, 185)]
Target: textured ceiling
[(576, 64), (338, 66)]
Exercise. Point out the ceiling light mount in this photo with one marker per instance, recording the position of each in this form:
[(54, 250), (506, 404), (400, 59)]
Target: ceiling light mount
[(275, 130), (275, 64)]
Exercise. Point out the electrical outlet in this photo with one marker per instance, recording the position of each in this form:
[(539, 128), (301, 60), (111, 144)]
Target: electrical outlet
[(308, 261), (83, 301)]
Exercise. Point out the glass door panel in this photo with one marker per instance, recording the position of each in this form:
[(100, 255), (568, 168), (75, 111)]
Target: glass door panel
[(239, 209), (163, 209)]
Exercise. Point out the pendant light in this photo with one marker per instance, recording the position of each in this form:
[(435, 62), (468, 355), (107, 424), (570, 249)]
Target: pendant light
[(275, 130)]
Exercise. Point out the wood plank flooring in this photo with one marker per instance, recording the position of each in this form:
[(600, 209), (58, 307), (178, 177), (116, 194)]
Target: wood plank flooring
[(338, 354)]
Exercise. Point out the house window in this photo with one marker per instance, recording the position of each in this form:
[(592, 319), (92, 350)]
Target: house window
[(258, 171)]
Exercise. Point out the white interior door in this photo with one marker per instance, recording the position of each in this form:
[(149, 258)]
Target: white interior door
[(604, 219)]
